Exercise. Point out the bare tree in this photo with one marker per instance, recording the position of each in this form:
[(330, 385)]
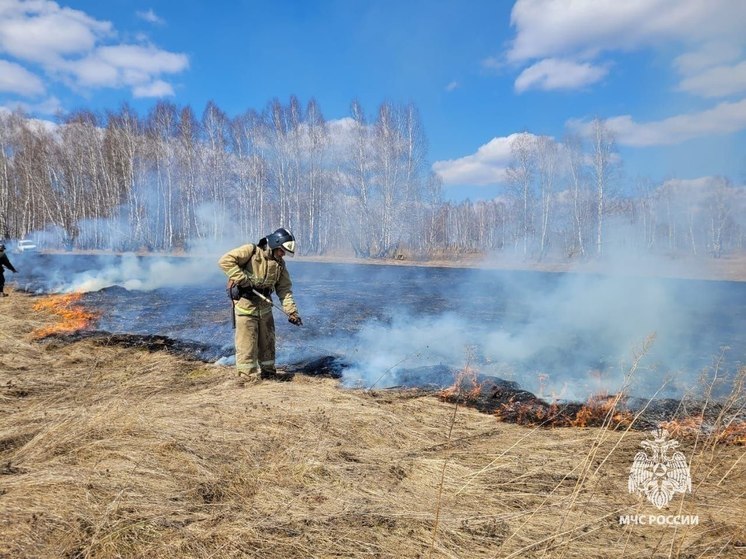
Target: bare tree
[(573, 145), (602, 168), (521, 175), (547, 163)]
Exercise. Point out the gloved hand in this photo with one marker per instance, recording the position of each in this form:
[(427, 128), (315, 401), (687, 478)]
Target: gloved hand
[(295, 319)]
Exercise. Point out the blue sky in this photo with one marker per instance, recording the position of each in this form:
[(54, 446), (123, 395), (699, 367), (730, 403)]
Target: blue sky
[(669, 75)]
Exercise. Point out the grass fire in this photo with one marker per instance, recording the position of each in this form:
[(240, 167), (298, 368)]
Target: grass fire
[(120, 447), (70, 316)]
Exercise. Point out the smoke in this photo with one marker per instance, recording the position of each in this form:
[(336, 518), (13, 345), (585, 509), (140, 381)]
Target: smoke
[(144, 274), (565, 335)]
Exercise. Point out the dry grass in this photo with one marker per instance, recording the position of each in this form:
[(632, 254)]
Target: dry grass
[(113, 452)]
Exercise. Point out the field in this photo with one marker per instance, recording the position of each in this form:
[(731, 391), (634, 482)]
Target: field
[(108, 451)]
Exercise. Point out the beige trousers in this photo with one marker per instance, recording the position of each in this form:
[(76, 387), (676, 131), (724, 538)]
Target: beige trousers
[(255, 344)]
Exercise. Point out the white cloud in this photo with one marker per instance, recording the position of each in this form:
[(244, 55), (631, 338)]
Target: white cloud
[(158, 88), (454, 85), (79, 50), (49, 106), (705, 34), (485, 167), (720, 81), (150, 16), (708, 55), (552, 73), (125, 65), (42, 32), (724, 118), (14, 78), (587, 27), (493, 63)]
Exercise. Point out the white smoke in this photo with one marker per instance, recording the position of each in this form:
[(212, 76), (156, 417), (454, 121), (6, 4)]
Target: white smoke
[(144, 274)]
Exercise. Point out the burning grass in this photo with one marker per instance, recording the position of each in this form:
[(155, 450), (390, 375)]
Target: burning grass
[(69, 312), (601, 410), (109, 451)]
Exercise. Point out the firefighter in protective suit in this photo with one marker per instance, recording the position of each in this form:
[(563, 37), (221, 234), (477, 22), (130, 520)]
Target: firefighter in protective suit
[(259, 268), (4, 263)]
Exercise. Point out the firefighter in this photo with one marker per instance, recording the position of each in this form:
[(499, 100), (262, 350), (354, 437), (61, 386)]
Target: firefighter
[(259, 268), (4, 263)]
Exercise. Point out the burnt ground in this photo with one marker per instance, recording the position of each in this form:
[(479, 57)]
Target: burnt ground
[(136, 450), (486, 394)]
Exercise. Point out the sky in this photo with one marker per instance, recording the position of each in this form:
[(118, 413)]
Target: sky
[(668, 76)]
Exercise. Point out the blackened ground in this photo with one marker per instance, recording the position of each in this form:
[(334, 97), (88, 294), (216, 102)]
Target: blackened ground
[(486, 394)]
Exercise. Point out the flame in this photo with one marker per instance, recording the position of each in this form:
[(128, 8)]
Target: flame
[(542, 378), (691, 427), (72, 316), (599, 410), (465, 386), (530, 413)]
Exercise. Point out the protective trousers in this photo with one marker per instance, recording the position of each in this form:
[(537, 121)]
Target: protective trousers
[(255, 344)]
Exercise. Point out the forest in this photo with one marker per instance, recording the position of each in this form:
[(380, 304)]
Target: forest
[(169, 181)]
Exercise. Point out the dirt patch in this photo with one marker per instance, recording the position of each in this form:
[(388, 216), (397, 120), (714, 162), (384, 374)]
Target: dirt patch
[(124, 452)]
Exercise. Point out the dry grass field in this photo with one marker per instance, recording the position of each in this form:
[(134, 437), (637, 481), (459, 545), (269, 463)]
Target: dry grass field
[(118, 452)]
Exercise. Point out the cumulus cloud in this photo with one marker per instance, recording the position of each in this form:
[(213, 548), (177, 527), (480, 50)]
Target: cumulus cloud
[(485, 167), (493, 63), (43, 32), (49, 106), (588, 27), (724, 118), (707, 34), (16, 79), (720, 81), (157, 88), (150, 16), (125, 65), (553, 73), (73, 47)]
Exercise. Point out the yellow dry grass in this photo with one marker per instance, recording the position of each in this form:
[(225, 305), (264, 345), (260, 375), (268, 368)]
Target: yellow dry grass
[(110, 452)]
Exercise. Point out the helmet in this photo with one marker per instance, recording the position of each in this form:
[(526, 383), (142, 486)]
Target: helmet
[(2, 246), (282, 238)]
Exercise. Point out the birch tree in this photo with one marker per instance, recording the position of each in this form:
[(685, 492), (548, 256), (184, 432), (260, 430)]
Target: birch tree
[(602, 168), (521, 175)]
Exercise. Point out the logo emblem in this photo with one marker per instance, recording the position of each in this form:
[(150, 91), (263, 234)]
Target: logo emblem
[(659, 476)]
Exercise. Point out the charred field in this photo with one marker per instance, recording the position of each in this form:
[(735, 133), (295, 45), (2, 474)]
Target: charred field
[(132, 445)]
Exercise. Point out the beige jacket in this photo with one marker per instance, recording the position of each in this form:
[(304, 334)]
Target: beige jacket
[(250, 266)]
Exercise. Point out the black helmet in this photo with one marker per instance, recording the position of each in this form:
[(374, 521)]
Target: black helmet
[(282, 238)]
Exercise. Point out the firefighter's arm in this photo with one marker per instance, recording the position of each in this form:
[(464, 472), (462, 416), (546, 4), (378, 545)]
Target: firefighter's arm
[(284, 289), (234, 265)]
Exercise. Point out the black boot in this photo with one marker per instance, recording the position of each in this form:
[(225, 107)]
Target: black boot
[(272, 374)]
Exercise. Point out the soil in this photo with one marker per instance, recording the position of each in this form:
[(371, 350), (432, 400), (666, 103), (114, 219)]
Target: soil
[(116, 450)]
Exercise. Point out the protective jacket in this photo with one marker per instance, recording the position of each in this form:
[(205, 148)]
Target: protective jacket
[(253, 267), (5, 262)]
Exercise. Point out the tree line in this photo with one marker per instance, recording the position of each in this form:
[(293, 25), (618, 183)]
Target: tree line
[(170, 180)]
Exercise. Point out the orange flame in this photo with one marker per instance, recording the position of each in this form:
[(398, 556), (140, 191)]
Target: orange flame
[(466, 386), (72, 317), (691, 427), (600, 409)]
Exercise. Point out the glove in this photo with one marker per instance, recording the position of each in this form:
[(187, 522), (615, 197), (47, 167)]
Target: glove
[(295, 319), (233, 290)]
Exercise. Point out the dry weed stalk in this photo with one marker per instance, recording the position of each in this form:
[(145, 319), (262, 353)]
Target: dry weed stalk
[(586, 464), (465, 386)]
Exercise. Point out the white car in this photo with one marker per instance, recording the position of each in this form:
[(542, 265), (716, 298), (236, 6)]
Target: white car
[(26, 246)]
